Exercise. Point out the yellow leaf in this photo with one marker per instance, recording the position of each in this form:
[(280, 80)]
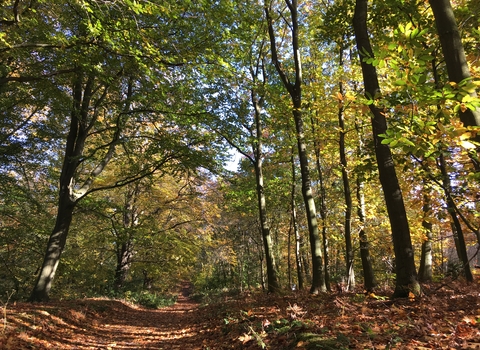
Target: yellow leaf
[(466, 136), (339, 96), (467, 144)]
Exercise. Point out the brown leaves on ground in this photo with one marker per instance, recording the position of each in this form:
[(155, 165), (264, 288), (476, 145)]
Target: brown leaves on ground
[(442, 319)]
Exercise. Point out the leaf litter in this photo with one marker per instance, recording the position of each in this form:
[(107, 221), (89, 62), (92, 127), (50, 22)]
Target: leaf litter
[(445, 318)]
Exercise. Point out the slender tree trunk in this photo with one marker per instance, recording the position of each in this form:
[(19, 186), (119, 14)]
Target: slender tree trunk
[(257, 148), (323, 206), (368, 276), (125, 237), (349, 256), (406, 273), (298, 253), (295, 91), (459, 238), (289, 253), (262, 273), (425, 269), (272, 280)]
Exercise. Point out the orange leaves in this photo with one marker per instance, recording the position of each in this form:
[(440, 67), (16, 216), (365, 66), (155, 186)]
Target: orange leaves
[(440, 320)]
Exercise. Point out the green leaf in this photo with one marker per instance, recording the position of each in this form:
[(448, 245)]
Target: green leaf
[(387, 141)]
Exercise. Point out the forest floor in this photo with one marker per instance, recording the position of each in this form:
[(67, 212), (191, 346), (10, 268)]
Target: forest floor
[(443, 318)]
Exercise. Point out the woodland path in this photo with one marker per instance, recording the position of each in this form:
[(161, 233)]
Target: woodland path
[(446, 318), (106, 324)]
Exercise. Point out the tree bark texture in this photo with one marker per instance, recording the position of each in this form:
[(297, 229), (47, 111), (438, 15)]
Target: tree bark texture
[(453, 52), (406, 274)]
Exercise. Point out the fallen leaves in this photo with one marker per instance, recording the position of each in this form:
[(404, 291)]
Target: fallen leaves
[(442, 319)]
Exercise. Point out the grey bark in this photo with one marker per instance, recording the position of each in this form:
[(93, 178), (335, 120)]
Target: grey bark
[(425, 268), (298, 253)]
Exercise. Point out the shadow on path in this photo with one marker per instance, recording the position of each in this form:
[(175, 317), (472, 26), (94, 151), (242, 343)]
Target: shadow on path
[(103, 324)]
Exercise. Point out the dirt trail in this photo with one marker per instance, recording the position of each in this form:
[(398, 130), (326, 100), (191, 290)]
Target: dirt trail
[(103, 324)]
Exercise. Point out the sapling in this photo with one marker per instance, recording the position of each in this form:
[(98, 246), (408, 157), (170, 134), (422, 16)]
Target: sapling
[(4, 307)]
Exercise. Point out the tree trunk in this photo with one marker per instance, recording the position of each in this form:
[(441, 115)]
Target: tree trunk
[(452, 47), (67, 199), (368, 275), (459, 238), (295, 91), (272, 280), (55, 246), (406, 273), (456, 62), (298, 253), (323, 206), (124, 261), (425, 269), (257, 148), (262, 273), (349, 257), (125, 237)]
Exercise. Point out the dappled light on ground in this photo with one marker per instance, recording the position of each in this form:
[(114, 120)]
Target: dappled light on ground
[(445, 317), (99, 324)]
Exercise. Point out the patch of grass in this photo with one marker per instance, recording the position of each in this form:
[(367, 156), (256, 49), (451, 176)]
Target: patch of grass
[(311, 341), (150, 300)]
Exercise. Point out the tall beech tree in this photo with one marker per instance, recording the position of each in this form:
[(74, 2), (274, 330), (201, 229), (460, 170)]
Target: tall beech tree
[(406, 274), (294, 88)]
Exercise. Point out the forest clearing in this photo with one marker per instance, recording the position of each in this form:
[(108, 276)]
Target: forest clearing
[(445, 318)]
